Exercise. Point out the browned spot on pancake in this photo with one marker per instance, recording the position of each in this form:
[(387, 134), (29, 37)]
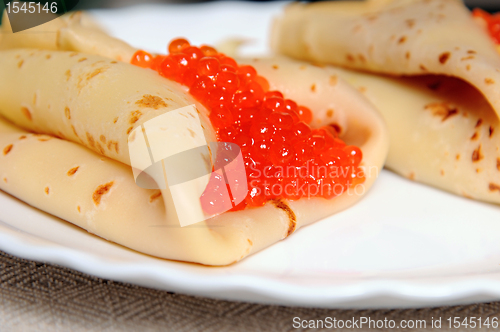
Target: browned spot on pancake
[(117, 148), (333, 80), (303, 67), (329, 113), (479, 123), (115, 120), (478, 170), (72, 171), (408, 55), (494, 187), (434, 86), (458, 156), (73, 54), (466, 195), (474, 137), (470, 57), (79, 209), (402, 40), (489, 81), (443, 58), (191, 132), (134, 116), (317, 64), (349, 57), (250, 242), (68, 74), (471, 52), (155, 196), (82, 59), (292, 219), (477, 155), (184, 115), (467, 67), (362, 89), (442, 109), (410, 23), (5, 180), (129, 130), (48, 56), (191, 115), (336, 127), (206, 160), (313, 88), (100, 148), (422, 67), (113, 62), (22, 137), (45, 139), (411, 176), (96, 72), (74, 130), (132, 137), (492, 130), (151, 102), (26, 112), (101, 191), (7, 149), (47, 190), (20, 64), (102, 138), (442, 172), (67, 112), (275, 67), (362, 58), (498, 164), (90, 139)]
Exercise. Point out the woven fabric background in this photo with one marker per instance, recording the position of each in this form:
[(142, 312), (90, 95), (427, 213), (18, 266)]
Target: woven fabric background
[(43, 297)]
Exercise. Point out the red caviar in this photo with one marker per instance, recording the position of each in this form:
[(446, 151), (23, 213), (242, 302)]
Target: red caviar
[(492, 22), (284, 157)]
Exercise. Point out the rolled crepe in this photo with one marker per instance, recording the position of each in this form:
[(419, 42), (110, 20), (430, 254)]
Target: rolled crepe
[(93, 103), (442, 132), (74, 31)]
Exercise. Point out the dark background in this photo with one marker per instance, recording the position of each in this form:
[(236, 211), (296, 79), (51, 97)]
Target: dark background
[(490, 5)]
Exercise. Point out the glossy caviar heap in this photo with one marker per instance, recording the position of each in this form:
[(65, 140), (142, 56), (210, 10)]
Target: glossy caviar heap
[(492, 22), (284, 157)]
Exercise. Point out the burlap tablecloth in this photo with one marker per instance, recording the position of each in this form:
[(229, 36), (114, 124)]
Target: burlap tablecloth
[(43, 297)]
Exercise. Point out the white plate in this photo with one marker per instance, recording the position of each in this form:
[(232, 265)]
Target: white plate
[(403, 245)]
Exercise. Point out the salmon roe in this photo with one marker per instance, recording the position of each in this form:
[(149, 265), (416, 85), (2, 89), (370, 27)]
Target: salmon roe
[(284, 156), (492, 22)]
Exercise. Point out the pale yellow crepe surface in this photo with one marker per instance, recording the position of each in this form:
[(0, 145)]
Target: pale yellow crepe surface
[(91, 101), (443, 132)]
